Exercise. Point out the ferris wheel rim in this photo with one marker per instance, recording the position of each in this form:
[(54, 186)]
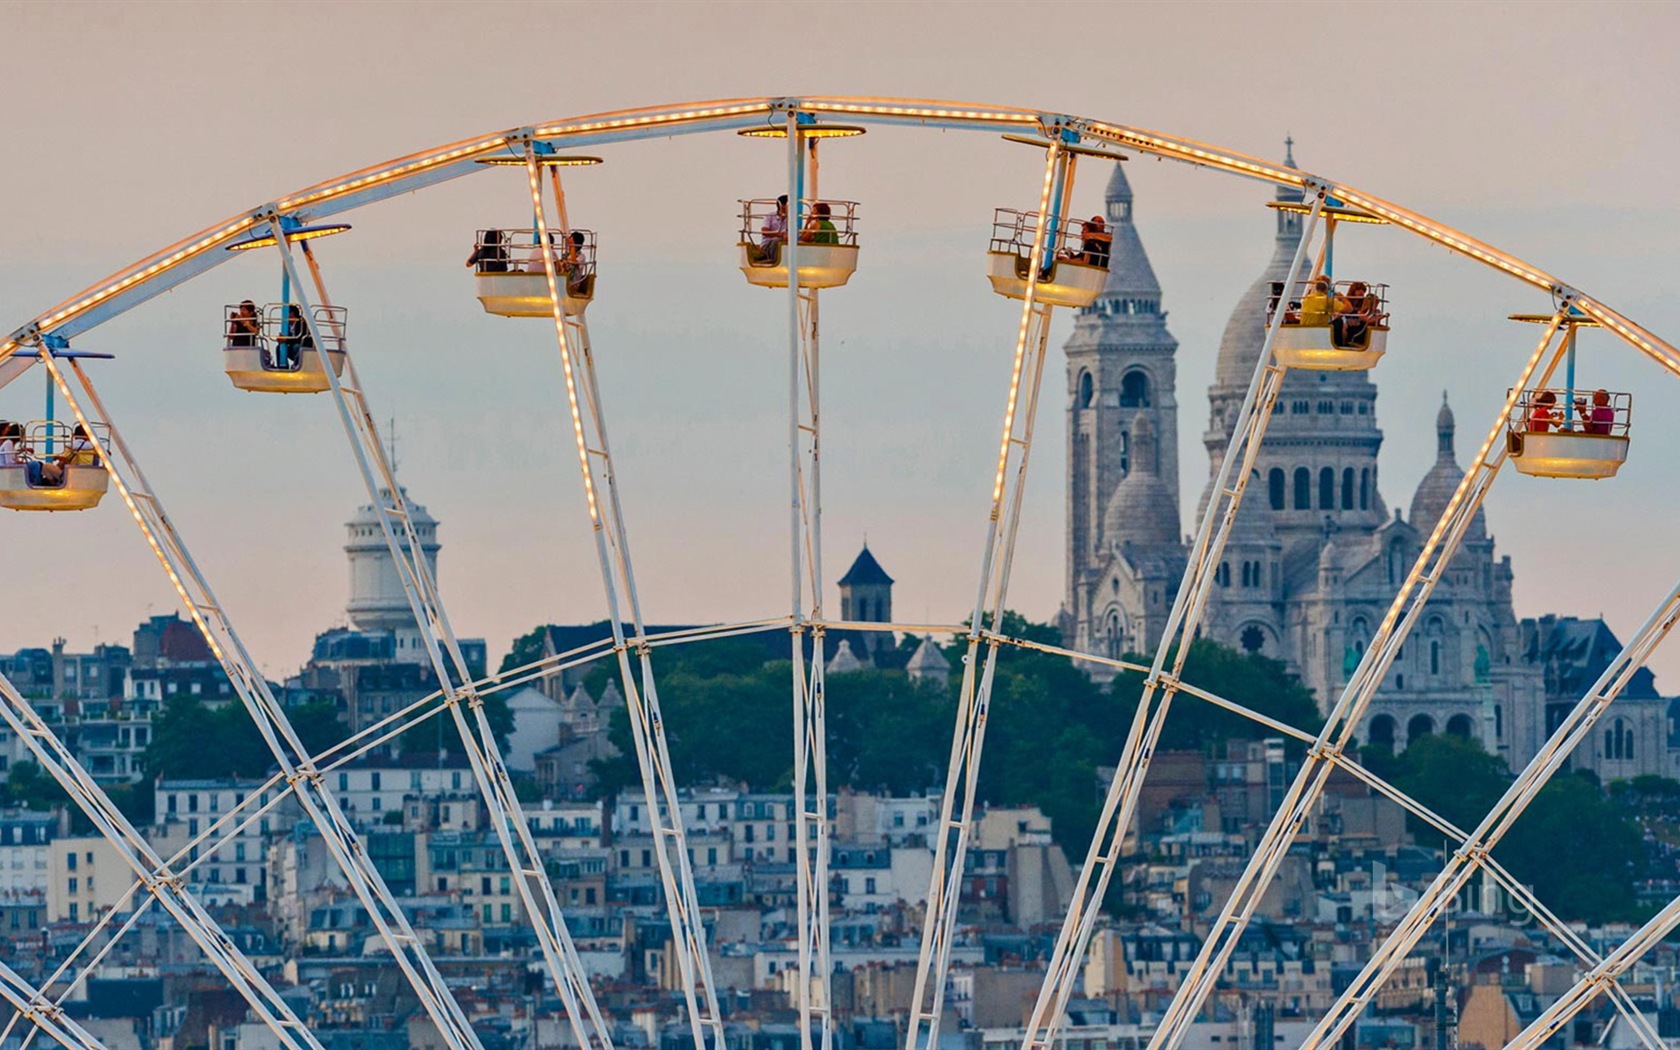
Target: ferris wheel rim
[(186, 258)]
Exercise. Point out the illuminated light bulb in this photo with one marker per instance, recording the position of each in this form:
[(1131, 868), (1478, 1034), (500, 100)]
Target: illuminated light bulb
[(547, 160), (305, 233), (807, 131)]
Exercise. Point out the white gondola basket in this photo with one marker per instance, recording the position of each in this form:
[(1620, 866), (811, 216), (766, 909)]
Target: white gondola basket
[(820, 265), (84, 486), (252, 368), (1567, 455), (1313, 347), (1070, 282), (520, 294)]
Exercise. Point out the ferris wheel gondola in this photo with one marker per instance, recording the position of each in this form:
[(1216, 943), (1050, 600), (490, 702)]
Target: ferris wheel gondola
[(50, 464), (510, 271), (1329, 325), (1566, 432)]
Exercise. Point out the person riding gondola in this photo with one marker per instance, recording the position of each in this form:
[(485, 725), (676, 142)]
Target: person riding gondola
[(490, 256), (1097, 244), (244, 326), (1350, 328), (295, 337)]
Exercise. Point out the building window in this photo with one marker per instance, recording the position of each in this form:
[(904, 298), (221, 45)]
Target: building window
[(1134, 389), (1327, 489), (1085, 391), (1347, 488), (1303, 488), (1365, 488), (1274, 486), (1253, 639)]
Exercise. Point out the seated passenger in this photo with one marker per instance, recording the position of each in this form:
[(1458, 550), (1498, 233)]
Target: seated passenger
[(819, 228), (1315, 305), (773, 234), (1097, 244), (572, 263), (244, 326), (295, 337), (490, 256), (50, 473), (1351, 325), (1542, 414), (11, 444), (1600, 418)]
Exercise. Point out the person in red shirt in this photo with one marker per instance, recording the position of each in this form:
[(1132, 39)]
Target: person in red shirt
[(1542, 416)]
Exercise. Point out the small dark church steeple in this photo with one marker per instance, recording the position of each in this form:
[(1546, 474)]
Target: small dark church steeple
[(866, 591)]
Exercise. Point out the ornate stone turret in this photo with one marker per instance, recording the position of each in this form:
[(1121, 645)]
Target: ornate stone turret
[(1121, 368)]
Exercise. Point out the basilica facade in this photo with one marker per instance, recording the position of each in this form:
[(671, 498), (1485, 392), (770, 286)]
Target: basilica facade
[(1315, 554)]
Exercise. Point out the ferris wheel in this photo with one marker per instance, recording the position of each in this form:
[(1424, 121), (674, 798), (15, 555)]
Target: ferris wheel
[(1552, 424)]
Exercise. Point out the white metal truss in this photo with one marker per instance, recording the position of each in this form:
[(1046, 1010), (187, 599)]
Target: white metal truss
[(294, 760), (1162, 683), (46, 1015), (1474, 853), (956, 807), (810, 725), (1344, 718), (160, 881), (641, 695), (460, 697), (1600, 980)]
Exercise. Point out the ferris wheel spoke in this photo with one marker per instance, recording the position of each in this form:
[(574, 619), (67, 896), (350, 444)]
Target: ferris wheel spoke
[(956, 808), (641, 695), (1344, 718), (272, 725), (1162, 683), (460, 698), (809, 689)]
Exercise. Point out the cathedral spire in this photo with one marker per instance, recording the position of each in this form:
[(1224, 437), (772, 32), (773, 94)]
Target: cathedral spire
[(1444, 427)]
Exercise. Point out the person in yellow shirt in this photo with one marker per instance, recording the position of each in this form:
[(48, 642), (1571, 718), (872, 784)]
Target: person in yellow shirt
[(1315, 305)]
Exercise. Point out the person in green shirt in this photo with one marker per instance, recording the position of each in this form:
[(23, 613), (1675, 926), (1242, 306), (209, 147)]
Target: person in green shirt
[(819, 228)]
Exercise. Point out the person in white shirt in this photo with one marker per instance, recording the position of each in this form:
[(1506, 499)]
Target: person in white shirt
[(11, 444), (773, 234)]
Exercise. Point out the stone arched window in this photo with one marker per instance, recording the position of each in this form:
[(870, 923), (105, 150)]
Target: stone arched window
[(1134, 389), (1086, 393), (1303, 488), (1419, 726), (1347, 488), (1114, 639), (1253, 638), (1327, 489), (1459, 726), (1275, 487), (1365, 488), (1382, 732)]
